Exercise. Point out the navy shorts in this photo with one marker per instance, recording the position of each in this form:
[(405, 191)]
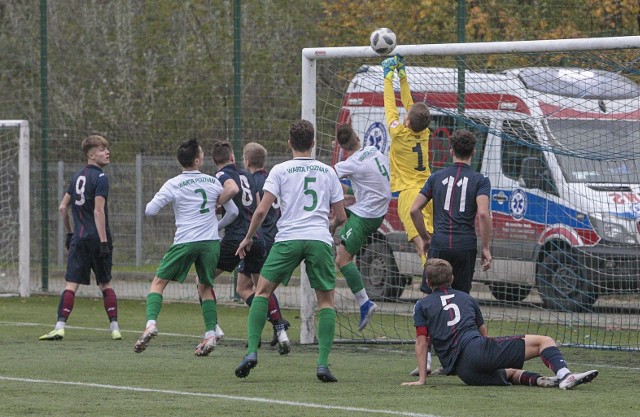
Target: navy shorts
[(242, 265), (84, 257), (228, 260), (463, 263), (484, 360)]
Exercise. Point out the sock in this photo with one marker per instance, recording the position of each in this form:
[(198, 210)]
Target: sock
[(154, 303), (114, 325), (60, 325), (361, 297), (326, 333), (249, 299), (209, 314), (110, 304), (273, 310), (353, 277), (529, 378), (65, 306), (553, 359), (257, 320)]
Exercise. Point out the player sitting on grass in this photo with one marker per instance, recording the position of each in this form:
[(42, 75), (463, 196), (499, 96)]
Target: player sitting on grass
[(452, 321), (194, 196)]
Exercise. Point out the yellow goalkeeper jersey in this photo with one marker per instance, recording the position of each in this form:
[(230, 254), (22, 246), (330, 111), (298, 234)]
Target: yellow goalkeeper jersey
[(409, 154)]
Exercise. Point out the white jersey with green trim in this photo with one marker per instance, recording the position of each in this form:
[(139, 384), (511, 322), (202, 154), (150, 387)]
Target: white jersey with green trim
[(194, 196), (306, 188), (368, 171)]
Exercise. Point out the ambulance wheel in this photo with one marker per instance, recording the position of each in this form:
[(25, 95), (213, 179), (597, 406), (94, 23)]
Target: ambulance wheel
[(561, 283), (506, 291), (379, 272)]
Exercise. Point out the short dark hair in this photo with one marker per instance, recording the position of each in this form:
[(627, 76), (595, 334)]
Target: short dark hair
[(187, 152), (347, 137), (221, 152), (93, 141), (419, 117), (255, 154), (439, 273), (463, 142), (301, 134)]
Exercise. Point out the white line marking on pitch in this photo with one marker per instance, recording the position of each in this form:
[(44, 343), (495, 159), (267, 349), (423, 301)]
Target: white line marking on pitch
[(222, 396)]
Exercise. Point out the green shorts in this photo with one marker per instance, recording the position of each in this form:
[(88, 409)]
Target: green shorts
[(356, 230), (286, 256), (176, 263)]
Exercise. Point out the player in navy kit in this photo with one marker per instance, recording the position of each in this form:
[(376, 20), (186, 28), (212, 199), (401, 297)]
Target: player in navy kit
[(451, 320), (254, 156), (90, 244), (247, 200), (459, 195)]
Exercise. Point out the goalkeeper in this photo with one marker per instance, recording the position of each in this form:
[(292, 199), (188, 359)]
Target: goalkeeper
[(409, 154)]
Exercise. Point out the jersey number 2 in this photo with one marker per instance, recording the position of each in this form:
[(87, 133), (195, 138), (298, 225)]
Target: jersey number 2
[(203, 206)]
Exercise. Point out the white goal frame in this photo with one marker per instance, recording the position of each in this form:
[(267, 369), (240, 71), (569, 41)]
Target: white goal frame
[(309, 74), (24, 250)]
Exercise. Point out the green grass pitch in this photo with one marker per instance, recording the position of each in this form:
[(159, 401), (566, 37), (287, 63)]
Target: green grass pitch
[(87, 373)]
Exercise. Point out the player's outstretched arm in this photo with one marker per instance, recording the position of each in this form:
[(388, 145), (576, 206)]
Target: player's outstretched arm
[(256, 220), (418, 219), (422, 346), (230, 214), (339, 216)]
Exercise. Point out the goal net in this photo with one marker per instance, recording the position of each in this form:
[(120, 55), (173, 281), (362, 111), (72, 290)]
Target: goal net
[(14, 207), (558, 128)]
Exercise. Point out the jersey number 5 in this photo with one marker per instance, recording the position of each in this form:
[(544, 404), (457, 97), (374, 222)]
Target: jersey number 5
[(453, 307), (312, 193)]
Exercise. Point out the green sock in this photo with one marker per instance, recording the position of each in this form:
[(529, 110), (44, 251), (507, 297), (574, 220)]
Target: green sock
[(154, 303), (209, 314), (353, 277), (326, 333), (257, 319)]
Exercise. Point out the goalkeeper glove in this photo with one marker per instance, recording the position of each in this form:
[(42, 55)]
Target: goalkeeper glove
[(388, 66), (400, 66), (67, 242), (105, 251)]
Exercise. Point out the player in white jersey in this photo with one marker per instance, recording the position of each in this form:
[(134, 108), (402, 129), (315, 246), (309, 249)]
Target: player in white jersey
[(194, 196), (368, 170), (307, 190)]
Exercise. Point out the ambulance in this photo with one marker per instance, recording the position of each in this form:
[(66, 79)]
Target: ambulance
[(561, 147)]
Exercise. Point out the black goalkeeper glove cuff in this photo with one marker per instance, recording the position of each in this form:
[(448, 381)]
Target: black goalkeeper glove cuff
[(104, 249), (67, 242)]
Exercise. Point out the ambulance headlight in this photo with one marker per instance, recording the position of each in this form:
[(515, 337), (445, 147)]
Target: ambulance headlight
[(614, 229)]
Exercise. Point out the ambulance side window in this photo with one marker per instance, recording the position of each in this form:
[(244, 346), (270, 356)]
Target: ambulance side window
[(518, 145), (443, 126)]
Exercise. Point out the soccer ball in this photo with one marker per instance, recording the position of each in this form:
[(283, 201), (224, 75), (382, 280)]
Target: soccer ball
[(383, 41)]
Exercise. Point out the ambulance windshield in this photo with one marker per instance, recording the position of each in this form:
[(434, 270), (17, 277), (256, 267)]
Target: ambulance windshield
[(597, 151)]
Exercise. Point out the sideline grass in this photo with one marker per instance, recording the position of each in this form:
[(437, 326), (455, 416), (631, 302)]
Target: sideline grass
[(89, 374)]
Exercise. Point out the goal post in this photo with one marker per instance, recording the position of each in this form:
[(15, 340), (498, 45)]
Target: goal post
[(15, 218), (565, 196)]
